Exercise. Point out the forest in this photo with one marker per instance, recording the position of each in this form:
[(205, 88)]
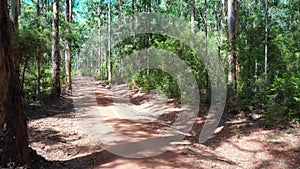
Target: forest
[(149, 84)]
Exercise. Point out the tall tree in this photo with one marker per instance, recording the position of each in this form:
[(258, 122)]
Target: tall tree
[(99, 52), (68, 51), (218, 16), (233, 37), (13, 127), (266, 41), (120, 13), (56, 89), (109, 59)]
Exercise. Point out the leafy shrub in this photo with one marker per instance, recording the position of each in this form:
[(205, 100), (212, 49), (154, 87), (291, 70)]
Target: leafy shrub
[(284, 98)]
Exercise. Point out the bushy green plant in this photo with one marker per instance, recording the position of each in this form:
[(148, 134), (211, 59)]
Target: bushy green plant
[(154, 79), (284, 98)]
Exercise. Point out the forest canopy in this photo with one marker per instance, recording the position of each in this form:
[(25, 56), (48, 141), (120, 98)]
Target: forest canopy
[(257, 43)]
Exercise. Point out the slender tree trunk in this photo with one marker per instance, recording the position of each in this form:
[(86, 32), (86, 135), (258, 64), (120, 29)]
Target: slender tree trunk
[(233, 37), (99, 35), (23, 77), (205, 28), (148, 35), (255, 63), (206, 48), (133, 8), (120, 23), (13, 127), (224, 12), (218, 25), (56, 89), (68, 52), (201, 15), (109, 61), (193, 16), (266, 42)]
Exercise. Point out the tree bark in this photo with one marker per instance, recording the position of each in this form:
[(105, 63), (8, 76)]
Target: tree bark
[(266, 42), (109, 60), (99, 62), (15, 11), (193, 16), (218, 16), (233, 37), (68, 51), (56, 89), (120, 12), (13, 127)]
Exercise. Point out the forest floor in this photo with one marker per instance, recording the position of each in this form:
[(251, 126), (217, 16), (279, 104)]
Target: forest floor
[(64, 133)]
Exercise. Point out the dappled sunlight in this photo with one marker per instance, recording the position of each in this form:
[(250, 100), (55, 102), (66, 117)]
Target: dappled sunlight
[(79, 136)]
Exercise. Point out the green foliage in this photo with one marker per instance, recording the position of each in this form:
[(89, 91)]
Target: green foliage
[(277, 97), (31, 45), (154, 79), (284, 98)]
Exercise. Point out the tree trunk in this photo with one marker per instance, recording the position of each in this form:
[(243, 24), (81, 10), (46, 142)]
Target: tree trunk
[(133, 8), (233, 37), (266, 42), (99, 36), (120, 12), (109, 61), (13, 127), (68, 52), (224, 12), (148, 35), (218, 25), (15, 11), (206, 51), (193, 16), (56, 89), (23, 77)]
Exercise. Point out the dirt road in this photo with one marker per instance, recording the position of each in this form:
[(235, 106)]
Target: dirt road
[(86, 131)]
